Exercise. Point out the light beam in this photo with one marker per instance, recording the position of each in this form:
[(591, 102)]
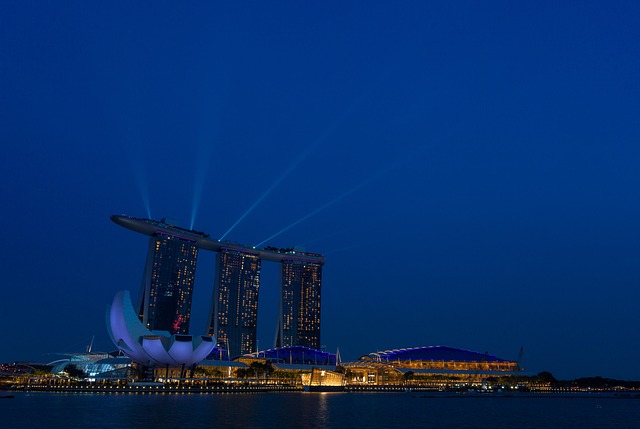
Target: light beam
[(138, 169), (203, 160), (145, 201), (332, 202), (268, 191), (143, 189), (312, 147)]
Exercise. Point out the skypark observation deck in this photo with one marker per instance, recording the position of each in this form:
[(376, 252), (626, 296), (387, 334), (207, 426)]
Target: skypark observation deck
[(204, 241)]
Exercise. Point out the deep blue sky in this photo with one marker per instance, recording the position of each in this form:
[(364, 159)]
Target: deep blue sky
[(493, 150)]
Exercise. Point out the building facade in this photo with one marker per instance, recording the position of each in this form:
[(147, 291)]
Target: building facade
[(234, 317), (167, 284), (165, 300), (432, 366), (300, 292)]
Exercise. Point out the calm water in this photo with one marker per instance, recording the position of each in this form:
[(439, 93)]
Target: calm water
[(312, 410)]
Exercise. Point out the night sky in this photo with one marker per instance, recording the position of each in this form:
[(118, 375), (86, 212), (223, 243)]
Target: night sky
[(470, 170)]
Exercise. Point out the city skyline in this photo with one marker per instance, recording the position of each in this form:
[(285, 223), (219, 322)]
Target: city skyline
[(469, 169)]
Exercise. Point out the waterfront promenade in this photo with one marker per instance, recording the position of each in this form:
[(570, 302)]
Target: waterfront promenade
[(426, 391), (157, 388)]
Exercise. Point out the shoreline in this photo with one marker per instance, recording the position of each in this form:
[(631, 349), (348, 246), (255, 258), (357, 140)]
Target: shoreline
[(421, 392)]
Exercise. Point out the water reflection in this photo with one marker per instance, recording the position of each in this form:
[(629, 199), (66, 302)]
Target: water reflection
[(311, 410)]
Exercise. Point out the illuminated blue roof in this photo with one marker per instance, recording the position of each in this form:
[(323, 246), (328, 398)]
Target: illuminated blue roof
[(433, 353), (299, 355), (218, 353)]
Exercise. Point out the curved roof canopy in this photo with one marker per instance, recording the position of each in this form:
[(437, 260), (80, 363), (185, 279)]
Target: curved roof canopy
[(432, 353), (147, 347), (299, 355)]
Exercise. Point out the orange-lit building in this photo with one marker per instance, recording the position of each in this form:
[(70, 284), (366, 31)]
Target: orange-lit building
[(431, 365)]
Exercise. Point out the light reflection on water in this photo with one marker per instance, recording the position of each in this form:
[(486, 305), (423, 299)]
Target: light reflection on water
[(312, 410)]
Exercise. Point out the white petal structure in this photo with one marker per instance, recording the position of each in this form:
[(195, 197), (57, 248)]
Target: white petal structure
[(151, 347)]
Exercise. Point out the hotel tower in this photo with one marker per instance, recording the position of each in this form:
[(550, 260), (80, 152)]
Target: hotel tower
[(234, 319), (299, 319), (167, 287)]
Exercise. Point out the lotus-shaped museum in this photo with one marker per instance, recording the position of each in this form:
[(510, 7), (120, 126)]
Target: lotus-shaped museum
[(152, 347)]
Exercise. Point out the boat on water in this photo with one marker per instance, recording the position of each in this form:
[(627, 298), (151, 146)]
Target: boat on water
[(322, 380)]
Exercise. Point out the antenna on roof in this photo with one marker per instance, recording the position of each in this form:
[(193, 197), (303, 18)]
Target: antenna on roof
[(90, 346)]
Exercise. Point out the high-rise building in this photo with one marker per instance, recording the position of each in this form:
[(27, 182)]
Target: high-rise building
[(234, 318), (167, 284), (165, 302), (300, 288)]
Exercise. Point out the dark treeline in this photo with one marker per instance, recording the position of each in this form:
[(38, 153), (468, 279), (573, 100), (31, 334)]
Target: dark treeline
[(605, 383), (546, 378)]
